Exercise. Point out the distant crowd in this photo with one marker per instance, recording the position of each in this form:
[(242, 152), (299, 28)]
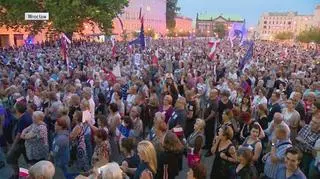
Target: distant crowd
[(150, 113)]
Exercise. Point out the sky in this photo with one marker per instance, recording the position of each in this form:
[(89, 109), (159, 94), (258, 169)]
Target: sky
[(251, 10)]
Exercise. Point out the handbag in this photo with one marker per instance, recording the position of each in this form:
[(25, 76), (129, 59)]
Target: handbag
[(193, 158)]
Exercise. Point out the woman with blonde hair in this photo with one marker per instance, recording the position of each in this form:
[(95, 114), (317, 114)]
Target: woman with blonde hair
[(158, 131), (196, 139), (148, 161)]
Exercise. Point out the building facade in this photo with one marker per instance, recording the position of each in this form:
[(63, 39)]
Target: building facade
[(272, 23), (183, 24), (154, 12), (205, 24)]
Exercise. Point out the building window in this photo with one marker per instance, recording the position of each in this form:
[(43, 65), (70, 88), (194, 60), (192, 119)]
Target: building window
[(265, 22), (264, 27), (289, 23)]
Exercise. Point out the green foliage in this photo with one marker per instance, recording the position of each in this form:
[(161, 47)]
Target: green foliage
[(284, 36), (12, 14), (172, 10), (66, 15), (220, 29), (312, 35)]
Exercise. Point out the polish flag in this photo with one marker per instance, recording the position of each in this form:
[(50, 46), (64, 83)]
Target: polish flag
[(113, 41), (213, 44), (64, 47)]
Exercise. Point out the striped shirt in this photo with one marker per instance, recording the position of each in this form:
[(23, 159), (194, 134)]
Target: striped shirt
[(270, 169)]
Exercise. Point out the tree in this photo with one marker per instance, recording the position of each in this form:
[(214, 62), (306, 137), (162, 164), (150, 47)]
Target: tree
[(172, 10), (284, 36), (220, 29), (312, 35), (65, 15)]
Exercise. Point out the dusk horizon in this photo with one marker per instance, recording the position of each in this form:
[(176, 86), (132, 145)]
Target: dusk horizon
[(250, 10)]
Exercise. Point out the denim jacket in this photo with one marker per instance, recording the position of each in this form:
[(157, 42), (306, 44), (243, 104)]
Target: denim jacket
[(61, 149)]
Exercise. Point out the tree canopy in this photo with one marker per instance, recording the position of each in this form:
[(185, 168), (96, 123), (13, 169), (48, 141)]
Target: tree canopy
[(172, 10), (312, 35), (284, 36), (220, 29), (65, 15)]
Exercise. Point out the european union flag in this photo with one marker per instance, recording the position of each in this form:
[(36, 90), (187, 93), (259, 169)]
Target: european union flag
[(140, 40), (248, 55)]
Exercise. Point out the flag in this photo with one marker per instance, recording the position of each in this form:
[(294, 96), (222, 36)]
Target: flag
[(140, 13), (64, 46), (213, 45), (248, 55), (238, 30), (140, 40), (113, 41)]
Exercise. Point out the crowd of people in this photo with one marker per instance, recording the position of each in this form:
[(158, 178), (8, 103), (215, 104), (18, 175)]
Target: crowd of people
[(145, 113)]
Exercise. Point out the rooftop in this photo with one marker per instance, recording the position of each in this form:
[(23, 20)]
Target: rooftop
[(206, 16)]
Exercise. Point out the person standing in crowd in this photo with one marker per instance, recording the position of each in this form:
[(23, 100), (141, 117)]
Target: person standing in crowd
[(191, 113), (306, 140), (36, 139), (274, 159), (254, 143), (158, 131), (211, 117), (101, 152), (224, 103), (291, 118), (131, 161), (170, 159), (61, 148), (245, 168), (225, 154), (147, 168), (114, 120), (77, 136), (291, 168), (167, 108), (18, 147), (137, 125), (178, 117), (196, 140), (74, 105), (296, 98), (262, 116), (273, 105)]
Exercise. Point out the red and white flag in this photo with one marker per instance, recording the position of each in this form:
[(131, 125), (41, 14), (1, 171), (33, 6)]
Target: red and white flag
[(64, 47), (213, 44), (113, 41)]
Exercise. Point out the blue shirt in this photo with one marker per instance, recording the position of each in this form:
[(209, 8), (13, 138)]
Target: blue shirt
[(270, 169), (298, 174), (24, 121)]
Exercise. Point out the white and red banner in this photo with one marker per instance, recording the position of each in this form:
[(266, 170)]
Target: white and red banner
[(213, 44), (64, 47)]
